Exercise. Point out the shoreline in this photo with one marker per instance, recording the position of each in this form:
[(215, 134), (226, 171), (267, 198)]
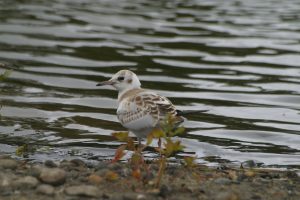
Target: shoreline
[(76, 179)]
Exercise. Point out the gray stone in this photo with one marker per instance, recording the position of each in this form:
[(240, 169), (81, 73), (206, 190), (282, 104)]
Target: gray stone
[(83, 190), (36, 170), (129, 197), (5, 180), (78, 163), (45, 189), (5, 156), (227, 195), (141, 197), (27, 182), (223, 181), (50, 163), (8, 164), (164, 191), (53, 176)]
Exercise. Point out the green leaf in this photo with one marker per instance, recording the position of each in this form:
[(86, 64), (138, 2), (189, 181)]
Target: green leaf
[(180, 130), (149, 139), (158, 133), (137, 159), (172, 147)]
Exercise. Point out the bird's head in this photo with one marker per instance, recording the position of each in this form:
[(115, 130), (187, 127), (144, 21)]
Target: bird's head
[(123, 80)]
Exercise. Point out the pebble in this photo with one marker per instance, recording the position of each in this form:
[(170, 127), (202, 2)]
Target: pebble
[(50, 163), (292, 174), (115, 166), (95, 179), (78, 163), (226, 196), (45, 189), (8, 164), (222, 181), (140, 197), (129, 197), (53, 176), (4, 156), (101, 165), (27, 182), (36, 170), (133, 196), (5, 180), (164, 191), (83, 190)]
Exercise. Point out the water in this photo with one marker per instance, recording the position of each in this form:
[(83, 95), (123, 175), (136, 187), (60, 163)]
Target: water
[(240, 60)]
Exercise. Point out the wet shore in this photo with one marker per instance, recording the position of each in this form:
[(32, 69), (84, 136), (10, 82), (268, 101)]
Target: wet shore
[(75, 179)]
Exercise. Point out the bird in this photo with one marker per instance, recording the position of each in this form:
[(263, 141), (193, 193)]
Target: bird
[(140, 110)]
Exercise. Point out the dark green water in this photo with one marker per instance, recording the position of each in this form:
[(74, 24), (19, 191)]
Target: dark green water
[(238, 59)]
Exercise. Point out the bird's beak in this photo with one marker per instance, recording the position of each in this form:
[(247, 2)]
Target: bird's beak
[(109, 82)]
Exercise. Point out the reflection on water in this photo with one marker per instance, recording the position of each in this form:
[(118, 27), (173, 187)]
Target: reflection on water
[(240, 60)]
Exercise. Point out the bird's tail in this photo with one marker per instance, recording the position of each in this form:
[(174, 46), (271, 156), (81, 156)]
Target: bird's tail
[(187, 112)]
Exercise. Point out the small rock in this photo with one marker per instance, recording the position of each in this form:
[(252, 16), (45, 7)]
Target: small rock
[(269, 175), (36, 170), (250, 164), (226, 196), (102, 172), (95, 179), (78, 162), (256, 197), (45, 189), (129, 196), (153, 191), (222, 181), (115, 166), (8, 164), (66, 164), (5, 180), (101, 165), (83, 190), (133, 196), (105, 196), (50, 163), (53, 176), (250, 173), (164, 191), (140, 197), (27, 182), (5, 156), (291, 174)]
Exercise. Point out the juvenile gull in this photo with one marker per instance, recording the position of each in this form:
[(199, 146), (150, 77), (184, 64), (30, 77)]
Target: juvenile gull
[(139, 110)]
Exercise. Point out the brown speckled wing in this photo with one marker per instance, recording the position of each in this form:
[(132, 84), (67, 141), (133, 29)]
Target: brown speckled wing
[(144, 110)]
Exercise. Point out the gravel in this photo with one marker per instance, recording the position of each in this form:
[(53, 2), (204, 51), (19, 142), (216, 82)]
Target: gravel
[(78, 180)]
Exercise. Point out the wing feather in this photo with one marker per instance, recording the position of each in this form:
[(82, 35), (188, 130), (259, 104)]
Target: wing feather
[(144, 110)]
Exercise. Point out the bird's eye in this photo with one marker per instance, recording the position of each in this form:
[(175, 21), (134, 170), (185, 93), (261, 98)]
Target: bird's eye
[(121, 78)]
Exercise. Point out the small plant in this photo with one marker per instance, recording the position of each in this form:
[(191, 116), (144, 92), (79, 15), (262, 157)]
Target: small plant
[(167, 147), (137, 160)]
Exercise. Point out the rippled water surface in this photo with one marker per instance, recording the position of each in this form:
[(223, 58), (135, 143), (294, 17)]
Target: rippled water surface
[(238, 59)]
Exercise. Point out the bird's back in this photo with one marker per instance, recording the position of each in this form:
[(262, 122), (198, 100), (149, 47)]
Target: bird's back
[(141, 110)]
